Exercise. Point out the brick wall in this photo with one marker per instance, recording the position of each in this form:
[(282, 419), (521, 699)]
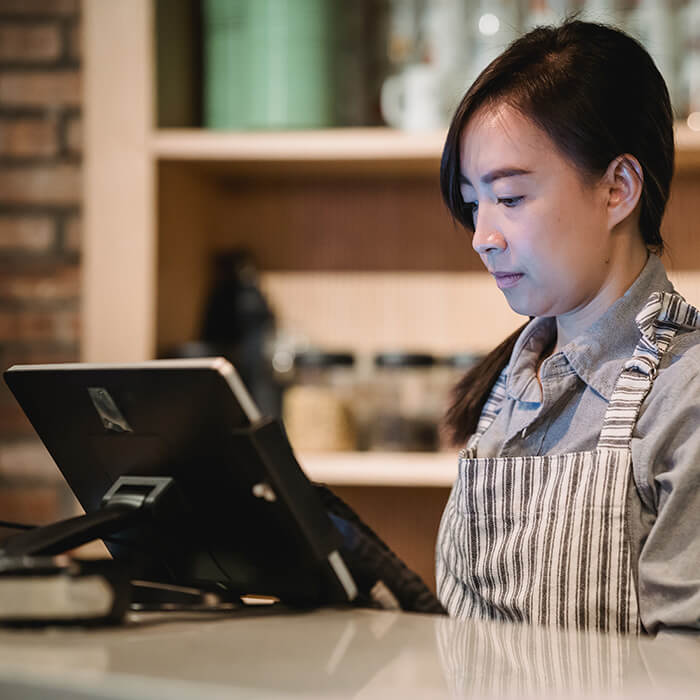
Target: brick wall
[(40, 191)]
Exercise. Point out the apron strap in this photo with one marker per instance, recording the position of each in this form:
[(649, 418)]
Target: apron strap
[(664, 314)]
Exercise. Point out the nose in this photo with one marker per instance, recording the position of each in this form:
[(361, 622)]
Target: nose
[(487, 238)]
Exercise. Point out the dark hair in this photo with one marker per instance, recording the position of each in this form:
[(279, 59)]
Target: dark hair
[(597, 94)]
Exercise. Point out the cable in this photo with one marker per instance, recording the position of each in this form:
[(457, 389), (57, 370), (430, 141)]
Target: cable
[(134, 546), (17, 526)]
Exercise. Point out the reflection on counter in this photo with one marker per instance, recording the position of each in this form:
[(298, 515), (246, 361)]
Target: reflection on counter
[(485, 659), (343, 654)]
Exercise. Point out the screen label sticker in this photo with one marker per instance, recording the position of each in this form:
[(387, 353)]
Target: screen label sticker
[(107, 409)]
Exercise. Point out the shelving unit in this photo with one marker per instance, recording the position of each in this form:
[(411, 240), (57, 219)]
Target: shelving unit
[(339, 218), (354, 245), (356, 248)]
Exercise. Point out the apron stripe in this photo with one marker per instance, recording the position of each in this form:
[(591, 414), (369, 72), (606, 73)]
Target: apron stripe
[(525, 495), (566, 549), (584, 565)]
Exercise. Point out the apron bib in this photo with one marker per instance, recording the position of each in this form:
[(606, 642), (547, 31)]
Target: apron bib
[(543, 539)]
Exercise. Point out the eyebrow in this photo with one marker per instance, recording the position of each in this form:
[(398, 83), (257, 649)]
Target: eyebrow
[(496, 175)]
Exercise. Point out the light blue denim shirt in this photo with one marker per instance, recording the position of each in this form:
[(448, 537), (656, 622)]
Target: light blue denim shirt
[(566, 415)]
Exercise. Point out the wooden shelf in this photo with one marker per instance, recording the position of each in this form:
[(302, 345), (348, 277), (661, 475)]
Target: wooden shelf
[(372, 146), (381, 468), (366, 151), (687, 147), (371, 143), (159, 202)]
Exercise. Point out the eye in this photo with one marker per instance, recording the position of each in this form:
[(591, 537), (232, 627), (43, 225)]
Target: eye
[(509, 201)]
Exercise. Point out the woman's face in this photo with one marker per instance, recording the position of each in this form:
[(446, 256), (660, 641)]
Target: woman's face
[(539, 228)]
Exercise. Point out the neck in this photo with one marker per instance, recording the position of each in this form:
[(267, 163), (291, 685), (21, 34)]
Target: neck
[(623, 271)]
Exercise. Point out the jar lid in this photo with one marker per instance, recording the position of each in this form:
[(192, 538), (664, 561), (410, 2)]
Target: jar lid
[(317, 358), (461, 360), (403, 359)]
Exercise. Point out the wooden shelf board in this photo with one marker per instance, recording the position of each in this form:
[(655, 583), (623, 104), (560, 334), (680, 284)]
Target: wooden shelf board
[(687, 148), (343, 145), (686, 138), (371, 143), (438, 469)]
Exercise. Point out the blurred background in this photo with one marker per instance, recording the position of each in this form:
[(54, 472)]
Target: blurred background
[(40, 229), (258, 179)]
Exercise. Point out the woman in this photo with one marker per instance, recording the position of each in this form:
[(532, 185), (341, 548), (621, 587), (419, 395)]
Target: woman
[(577, 502)]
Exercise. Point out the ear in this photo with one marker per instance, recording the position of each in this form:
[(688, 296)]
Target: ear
[(623, 181)]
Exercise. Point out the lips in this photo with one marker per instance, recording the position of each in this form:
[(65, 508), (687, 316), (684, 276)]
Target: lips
[(504, 280)]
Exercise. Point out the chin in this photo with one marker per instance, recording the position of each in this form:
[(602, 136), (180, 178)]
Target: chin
[(528, 307), (522, 307)]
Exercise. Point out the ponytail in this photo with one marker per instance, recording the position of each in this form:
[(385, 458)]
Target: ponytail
[(473, 390)]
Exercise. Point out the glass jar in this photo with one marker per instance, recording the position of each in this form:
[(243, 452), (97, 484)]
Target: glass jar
[(449, 370), (405, 414), (317, 408)]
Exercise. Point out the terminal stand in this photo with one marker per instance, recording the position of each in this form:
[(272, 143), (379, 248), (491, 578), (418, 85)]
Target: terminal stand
[(147, 519)]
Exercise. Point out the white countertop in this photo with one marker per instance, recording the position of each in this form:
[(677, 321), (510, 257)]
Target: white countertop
[(340, 654)]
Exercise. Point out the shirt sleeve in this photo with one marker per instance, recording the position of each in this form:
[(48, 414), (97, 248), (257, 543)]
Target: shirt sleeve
[(666, 460)]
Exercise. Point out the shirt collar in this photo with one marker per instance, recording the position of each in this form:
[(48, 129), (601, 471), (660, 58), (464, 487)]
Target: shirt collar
[(598, 354), (529, 346)]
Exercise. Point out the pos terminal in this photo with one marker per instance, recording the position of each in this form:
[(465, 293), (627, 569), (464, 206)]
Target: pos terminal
[(184, 480)]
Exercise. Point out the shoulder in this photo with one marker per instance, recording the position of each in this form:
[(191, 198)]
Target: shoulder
[(677, 385), (682, 360), (675, 394), (666, 436)]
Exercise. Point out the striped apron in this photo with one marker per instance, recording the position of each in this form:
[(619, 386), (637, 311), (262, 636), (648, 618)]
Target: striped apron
[(543, 539)]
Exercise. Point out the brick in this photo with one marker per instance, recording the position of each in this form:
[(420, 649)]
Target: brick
[(61, 282), (32, 89), (30, 505), (28, 137), (74, 135), (27, 460), (73, 234), (30, 42), (40, 184), (75, 41), (13, 423), (61, 326), (33, 234), (39, 7), (36, 354)]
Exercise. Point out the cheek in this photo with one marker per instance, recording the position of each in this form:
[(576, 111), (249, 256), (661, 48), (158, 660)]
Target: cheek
[(540, 236), (565, 231), (555, 249)]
